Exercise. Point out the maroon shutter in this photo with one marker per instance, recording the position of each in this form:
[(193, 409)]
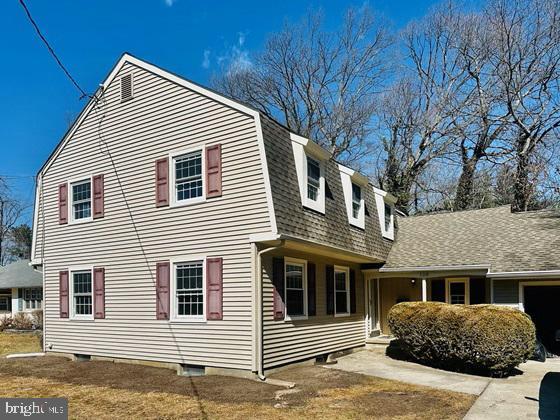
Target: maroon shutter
[(214, 288), (162, 182), (278, 288), (99, 292), (352, 291), (329, 278), (63, 204), (214, 171), (63, 293), (162, 290), (311, 302), (98, 197)]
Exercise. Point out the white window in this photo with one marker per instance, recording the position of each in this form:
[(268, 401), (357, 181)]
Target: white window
[(457, 291), (341, 291), (385, 209), (353, 186), (188, 290), (80, 198), (295, 288), (32, 298), (188, 177), (310, 161), (81, 288)]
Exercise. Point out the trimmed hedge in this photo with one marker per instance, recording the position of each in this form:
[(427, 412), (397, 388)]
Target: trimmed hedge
[(485, 339)]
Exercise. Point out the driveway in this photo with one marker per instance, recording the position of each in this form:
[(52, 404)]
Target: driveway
[(532, 394)]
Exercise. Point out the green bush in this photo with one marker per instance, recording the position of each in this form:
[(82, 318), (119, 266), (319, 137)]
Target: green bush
[(485, 339)]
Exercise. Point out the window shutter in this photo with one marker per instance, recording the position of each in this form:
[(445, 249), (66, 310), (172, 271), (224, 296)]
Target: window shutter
[(214, 289), (162, 182), (98, 197), (311, 311), (63, 204), (278, 289), (214, 171), (162, 290), (329, 278), (63, 293), (352, 291), (99, 292)]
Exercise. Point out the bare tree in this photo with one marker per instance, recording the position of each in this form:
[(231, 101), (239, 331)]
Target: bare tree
[(10, 212), (322, 85), (526, 60)]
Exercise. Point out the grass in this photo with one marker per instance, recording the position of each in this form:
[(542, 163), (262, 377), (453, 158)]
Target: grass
[(105, 390), (19, 343)]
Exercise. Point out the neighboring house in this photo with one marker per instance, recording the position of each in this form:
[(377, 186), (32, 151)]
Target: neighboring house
[(176, 225), (21, 288), (477, 256)]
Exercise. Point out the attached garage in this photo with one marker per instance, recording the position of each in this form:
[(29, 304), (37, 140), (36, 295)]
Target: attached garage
[(541, 300)]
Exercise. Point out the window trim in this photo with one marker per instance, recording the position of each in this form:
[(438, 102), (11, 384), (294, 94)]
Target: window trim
[(348, 177), (70, 183), (342, 269), (303, 263), (319, 204), (24, 301), (449, 280), (382, 198), (73, 315), (8, 299), (173, 202), (173, 316)]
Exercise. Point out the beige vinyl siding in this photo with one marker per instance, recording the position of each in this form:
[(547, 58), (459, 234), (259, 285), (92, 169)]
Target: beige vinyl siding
[(163, 117), (290, 341)]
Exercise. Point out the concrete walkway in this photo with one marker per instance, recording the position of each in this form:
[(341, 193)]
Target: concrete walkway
[(533, 394), (374, 362)]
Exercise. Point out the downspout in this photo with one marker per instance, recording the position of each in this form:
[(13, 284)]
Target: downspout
[(260, 315)]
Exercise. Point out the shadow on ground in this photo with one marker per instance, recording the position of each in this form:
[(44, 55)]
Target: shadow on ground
[(549, 396)]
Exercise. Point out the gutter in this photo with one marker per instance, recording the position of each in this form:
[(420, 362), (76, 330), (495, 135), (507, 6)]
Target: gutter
[(435, 268), (524, 274)]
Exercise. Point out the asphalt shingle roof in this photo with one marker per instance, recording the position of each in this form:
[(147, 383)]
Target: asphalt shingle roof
[(20, 274), (507, 241)]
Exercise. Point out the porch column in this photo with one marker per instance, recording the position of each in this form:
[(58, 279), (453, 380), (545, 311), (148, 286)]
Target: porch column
[(424, 290)]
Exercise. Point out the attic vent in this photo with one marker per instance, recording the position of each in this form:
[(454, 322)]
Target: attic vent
[(126, 87)]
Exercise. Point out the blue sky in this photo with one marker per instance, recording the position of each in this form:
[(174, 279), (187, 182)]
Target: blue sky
[(188, 37)]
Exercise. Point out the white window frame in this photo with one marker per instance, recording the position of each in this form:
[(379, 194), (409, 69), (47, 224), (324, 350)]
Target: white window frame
[(303, 263), (24, 303), (172, 176), (382, 198), (302, 149), (73, 315), (448, 282), (70, 183), (342, 269), (347, 178), (175, 317), (8, 298)]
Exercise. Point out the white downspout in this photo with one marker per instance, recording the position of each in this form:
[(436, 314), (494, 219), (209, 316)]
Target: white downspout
[(260, 305)]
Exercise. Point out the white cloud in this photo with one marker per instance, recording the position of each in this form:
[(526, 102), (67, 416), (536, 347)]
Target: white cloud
[(236, 58), (241, 38), (206, 59), (169, 2)]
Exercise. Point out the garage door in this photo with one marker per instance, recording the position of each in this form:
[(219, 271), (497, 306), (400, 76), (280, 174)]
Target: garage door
[(542, 304)]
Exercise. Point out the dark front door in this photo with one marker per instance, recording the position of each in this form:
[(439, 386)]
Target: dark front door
[(541, 303)]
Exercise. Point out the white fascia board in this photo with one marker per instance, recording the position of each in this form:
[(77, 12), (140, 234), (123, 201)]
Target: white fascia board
[(310, 147), (524, 274), (356, 177), (388, 197), (436, 268)]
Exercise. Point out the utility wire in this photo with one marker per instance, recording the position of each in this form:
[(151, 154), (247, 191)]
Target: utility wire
[(28, 13)]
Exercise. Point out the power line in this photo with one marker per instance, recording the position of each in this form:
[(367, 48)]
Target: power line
[(28, 13)]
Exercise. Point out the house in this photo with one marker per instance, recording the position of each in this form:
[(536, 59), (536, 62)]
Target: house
[(176, 225), (21, 288), (473, 257)]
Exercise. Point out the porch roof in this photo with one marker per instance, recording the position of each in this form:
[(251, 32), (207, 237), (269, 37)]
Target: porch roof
[(20, 274), (497, 238)]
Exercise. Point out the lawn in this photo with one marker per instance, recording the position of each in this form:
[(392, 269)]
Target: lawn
[(100, 390), (19, 343)]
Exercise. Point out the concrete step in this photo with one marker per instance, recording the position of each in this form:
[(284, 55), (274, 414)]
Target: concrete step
[(383, 340)]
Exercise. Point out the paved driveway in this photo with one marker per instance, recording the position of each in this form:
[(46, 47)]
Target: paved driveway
[(532, 394)]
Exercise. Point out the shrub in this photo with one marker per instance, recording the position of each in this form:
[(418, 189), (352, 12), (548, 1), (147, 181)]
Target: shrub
[(5, 322), (37, 319), (485, 339), (22, 321)]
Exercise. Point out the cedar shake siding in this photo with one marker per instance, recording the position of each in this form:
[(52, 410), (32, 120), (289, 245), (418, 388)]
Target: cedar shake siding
[(289, 341), (132, 228), (331, 228)]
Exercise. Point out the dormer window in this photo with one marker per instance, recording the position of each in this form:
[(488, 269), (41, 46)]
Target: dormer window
[(353, 185), (310, 160), (385, 208)]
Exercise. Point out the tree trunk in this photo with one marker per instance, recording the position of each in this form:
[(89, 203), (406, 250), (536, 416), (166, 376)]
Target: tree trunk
[(465, 186), (521, 187)]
